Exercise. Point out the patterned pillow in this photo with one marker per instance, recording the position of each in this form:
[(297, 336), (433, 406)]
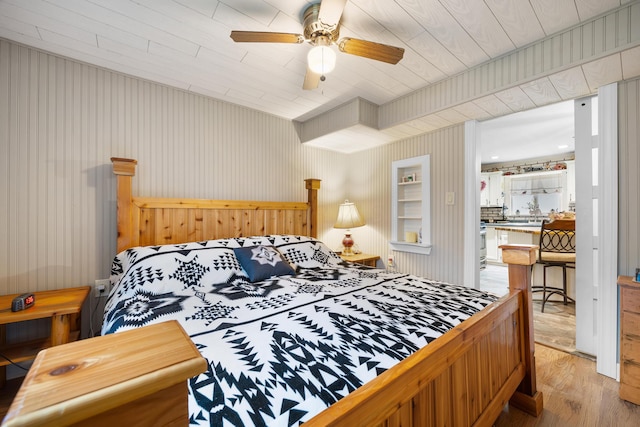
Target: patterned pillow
[(261, 262)]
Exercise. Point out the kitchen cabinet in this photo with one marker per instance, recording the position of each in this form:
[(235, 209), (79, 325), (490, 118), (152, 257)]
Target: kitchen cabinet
[(498, 235), (492, 244), (411, 205), (492, 194)]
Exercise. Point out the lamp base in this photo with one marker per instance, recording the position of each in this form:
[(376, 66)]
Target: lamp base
[(347, 244)]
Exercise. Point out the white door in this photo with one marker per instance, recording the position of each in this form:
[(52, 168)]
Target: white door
[(596, 145), (586, 149)]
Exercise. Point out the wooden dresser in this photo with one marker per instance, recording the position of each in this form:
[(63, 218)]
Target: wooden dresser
[(629, 339)]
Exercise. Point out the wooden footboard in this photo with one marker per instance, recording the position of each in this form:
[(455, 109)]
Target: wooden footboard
[(463, 378)]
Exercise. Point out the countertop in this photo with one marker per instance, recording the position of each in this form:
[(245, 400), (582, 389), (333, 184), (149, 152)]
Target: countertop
[(520, 229)]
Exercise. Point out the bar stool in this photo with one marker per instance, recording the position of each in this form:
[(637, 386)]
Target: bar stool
[(557, 249)]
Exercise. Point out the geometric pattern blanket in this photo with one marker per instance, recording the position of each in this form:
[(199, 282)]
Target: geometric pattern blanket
[(281, 350)]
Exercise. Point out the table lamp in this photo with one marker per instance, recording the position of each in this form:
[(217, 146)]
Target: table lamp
[(348, 217)]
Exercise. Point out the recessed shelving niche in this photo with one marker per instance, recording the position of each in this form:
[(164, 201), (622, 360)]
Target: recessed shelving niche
[(410, 205)]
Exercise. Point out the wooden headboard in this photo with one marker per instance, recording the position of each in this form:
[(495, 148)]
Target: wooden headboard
[(148, 221)]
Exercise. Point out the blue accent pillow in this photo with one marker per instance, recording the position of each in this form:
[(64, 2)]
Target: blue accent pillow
[(261, 262)]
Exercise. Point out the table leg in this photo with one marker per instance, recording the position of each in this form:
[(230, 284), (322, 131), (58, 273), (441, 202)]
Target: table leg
[(60, 326)]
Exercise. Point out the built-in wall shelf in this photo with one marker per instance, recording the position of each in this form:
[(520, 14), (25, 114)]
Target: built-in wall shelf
[(411, 207)]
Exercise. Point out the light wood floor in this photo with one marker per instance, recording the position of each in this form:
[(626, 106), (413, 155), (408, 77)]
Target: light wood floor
[(574, 395), (556, 327)]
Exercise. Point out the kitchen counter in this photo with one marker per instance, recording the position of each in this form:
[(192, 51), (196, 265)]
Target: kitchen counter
[(514, 224), (503, 233), (521, 229)]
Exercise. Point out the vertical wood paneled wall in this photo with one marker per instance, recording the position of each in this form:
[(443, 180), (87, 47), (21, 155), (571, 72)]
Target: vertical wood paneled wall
[(60, 123), (629, 179), (370, 189)]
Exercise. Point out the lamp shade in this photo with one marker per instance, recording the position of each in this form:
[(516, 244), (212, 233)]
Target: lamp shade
[(321, 60), (348, 216)]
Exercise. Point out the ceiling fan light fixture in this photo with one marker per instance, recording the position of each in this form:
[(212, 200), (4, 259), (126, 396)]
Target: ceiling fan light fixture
[(321, 59)]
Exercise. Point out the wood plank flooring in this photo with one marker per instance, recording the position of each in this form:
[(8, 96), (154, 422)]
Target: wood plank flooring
[(574, 395), (555, 328)]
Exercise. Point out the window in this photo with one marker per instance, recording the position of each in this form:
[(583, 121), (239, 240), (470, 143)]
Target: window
[(537, 194)]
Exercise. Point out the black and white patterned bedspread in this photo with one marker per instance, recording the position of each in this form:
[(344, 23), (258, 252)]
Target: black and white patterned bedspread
[(281, 350)]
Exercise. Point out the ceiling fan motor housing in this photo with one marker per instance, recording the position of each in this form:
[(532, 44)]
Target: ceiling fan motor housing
[(314, 28)]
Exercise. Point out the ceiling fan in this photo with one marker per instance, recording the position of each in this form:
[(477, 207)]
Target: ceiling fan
[(321, 24)]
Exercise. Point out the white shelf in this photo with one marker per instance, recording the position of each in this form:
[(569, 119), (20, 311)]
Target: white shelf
[(410, 207), (410, 247)]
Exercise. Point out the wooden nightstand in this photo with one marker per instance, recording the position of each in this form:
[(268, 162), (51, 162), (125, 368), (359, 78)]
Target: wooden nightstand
[(63, 307), (364, 259)]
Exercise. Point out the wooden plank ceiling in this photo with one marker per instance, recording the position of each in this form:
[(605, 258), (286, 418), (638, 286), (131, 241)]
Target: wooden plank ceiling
[(186, 44)]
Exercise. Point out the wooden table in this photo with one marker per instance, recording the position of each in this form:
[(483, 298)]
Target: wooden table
[(63, 307), (137, 377), (364, 259)]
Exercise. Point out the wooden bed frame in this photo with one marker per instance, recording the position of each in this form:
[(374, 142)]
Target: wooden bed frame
[(463, 378)]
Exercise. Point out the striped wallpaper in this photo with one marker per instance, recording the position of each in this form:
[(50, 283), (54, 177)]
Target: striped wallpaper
[(629, 177)]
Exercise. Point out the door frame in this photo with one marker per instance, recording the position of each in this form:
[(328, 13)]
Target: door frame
[(607, 309)]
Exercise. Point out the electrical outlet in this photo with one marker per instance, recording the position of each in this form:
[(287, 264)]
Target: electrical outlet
[(101, 288)]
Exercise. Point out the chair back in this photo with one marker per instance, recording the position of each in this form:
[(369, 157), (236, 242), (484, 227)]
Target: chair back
[(558, 237)]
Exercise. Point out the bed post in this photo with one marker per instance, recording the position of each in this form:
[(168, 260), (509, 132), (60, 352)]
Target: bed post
[(124, 169), (520, 259), (312, 186)]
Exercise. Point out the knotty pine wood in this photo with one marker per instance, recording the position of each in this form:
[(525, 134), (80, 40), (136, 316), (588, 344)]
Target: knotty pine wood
[(146, 221), (475, 362), (135, 371), (504, 330), (573, 391)]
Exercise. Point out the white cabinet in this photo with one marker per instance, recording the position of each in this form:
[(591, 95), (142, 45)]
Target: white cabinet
[(411, 205), (491, 192), (492, 244)]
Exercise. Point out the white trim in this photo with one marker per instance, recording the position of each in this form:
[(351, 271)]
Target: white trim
[(607, 326), (472, 209), (423, 165), (586, 242)]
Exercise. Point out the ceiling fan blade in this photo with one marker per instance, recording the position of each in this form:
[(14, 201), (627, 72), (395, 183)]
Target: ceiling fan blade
[(372, 50), (265, 37), (311, 80), (331, 11)]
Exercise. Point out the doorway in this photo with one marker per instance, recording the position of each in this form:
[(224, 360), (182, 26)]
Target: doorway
[(528, 168), (604, 263)]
